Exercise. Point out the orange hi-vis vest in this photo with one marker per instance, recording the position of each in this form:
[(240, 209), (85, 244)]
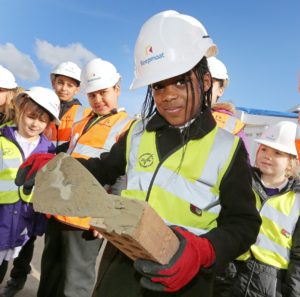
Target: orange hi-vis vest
[(62, 133), (99, 137), (297, 141), (228, 122)]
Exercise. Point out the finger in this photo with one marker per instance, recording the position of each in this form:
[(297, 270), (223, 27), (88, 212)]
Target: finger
[(21, 175), (147, 268), (27, 190), (148, 284)]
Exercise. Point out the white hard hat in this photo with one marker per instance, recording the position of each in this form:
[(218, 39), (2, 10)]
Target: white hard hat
[(45, 98), (7, 79), (217, 68), (68, 69), (169, 44), (281, 137), (98, 75)]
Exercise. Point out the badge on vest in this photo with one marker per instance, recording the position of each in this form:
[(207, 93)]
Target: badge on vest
[(285, 233)]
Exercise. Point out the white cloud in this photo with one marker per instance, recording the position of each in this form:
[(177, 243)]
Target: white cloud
[(54, 54), (19, 63)]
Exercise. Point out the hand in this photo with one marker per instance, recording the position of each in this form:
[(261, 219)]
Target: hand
[(27, 171), (193, 253)]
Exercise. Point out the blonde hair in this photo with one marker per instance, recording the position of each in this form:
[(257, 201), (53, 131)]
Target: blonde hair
[(9, 106)]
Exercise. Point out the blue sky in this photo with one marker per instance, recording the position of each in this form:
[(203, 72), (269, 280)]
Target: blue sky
[(258, 40)]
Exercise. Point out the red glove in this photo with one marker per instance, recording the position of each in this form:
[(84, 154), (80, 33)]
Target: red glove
[(27, 171), (193, 253)]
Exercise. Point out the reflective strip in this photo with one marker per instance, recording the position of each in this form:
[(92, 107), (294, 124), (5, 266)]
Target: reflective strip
[(7, 186), (11, 163), (79, 114), (230, 124), (115, 131), (200, 193), (266, 243), (196, 231), (87, 150)]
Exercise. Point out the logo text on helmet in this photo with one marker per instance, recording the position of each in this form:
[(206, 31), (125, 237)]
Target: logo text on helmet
[(153, 58)]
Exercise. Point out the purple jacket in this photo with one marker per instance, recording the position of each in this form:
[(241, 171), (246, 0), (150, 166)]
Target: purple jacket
[(18, 221)]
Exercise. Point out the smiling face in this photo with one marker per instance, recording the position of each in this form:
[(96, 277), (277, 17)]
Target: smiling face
[(175, 98), (103, 101), (273, 164), (32, 120), (65, 87)]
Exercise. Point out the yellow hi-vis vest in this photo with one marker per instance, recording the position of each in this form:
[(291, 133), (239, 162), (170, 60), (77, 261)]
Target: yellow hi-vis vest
[(279, 215), (99, 138), (173, 184), (10, 161), (228, 122)]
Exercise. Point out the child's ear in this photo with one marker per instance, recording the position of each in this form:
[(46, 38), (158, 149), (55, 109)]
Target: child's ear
[(207, 81)]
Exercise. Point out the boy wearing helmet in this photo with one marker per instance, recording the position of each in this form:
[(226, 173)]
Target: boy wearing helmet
[(197, 180), (71, 250), (271, 265), (65, 79), (36, 109)]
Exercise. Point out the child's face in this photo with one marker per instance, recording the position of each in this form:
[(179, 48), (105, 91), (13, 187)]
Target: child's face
[(65, 87), (31, 125), (103, 101), (174, 98), (217, 91), (272, 163), (3, 93)]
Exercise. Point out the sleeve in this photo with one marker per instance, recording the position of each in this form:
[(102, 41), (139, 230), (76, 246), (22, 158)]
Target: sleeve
[(292, 279), (109, 166), (239, 221)]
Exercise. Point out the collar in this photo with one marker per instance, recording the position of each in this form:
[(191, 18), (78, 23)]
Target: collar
[(198, 127)]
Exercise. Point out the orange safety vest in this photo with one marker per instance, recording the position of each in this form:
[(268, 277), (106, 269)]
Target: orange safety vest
[(98, 138), (62, 133), (228, 122), (297, 141)]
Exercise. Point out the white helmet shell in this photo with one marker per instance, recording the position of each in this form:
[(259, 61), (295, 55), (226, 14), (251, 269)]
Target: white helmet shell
[(169, 44), (7, 79), (280, 136), (98, 75), (68, 69), (217, 68), (45, 98)]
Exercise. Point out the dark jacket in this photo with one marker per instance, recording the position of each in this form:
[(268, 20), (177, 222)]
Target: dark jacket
[(238, 222), (257, 279)]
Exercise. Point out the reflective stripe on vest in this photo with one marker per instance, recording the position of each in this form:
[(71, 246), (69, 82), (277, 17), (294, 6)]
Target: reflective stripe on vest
[(11, 159), (174, 184), (279, 217), (228, 122), (62, 133), (99, 138)]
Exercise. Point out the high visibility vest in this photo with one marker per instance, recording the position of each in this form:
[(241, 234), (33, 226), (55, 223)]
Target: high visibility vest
[(97, 139), (172, 185), (62, 133), (11, 159), (297, 141), (279, 215), (100, 136), (228, 122)]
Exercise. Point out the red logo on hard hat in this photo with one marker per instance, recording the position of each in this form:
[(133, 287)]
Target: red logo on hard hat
[(148, 50)]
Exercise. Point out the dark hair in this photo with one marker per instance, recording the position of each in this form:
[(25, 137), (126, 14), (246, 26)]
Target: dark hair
[(148, 108)]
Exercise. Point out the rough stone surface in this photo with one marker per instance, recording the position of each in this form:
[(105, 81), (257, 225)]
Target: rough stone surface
[(66, 188)]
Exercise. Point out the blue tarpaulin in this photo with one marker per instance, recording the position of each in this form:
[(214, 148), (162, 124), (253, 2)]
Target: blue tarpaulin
[(268, 112)]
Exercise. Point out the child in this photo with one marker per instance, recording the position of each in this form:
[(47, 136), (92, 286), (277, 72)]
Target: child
[(192, 164), (8, 89), (65, 79), (271, 267), (223, 112), (68, 261), (36, 109)]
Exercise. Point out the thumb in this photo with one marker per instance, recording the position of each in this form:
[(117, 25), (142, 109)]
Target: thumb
[(21, 175)]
